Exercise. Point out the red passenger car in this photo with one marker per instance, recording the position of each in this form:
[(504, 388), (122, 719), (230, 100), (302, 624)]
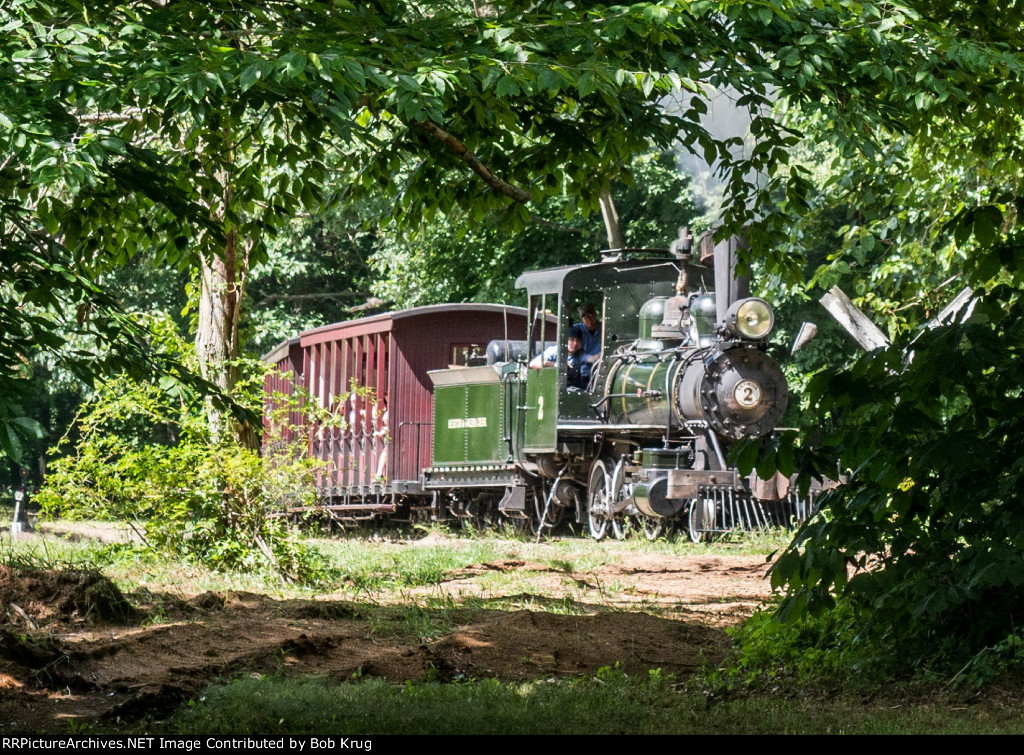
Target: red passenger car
[(371, 375)]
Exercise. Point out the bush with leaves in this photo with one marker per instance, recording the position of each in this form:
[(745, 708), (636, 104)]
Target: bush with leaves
[(923, 546), (811, 651), (144, 457), (926, 539)]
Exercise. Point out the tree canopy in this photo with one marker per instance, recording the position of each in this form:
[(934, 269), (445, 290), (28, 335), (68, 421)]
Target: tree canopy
[(192, 133)]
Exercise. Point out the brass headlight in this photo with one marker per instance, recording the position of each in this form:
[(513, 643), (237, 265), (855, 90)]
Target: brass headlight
[(750, 318)]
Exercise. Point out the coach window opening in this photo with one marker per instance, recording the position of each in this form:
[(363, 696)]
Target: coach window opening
[(467, 355)]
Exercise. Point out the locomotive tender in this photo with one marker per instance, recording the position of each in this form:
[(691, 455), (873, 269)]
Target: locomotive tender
[(682, 374)]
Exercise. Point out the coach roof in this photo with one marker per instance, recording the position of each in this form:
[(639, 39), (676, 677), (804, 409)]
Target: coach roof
[(382, 321)]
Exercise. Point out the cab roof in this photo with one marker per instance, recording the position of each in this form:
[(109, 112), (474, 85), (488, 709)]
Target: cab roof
[(656, 264)]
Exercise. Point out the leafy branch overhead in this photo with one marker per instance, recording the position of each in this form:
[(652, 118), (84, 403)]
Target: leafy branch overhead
[(149, 102), (192, 132)]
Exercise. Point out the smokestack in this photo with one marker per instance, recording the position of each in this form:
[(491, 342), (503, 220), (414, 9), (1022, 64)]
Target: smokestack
[(729, 287)]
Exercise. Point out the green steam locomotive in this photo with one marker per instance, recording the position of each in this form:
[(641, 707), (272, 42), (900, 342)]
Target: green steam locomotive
[(674, 371)]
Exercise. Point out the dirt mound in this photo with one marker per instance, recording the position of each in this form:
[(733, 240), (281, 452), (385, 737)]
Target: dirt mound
[(74, 649), (509, 564), (36, 597), (527, 644)]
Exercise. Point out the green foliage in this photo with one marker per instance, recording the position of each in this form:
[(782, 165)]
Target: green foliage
[(930, 515), (811, 652), (838, 650), (452, 260), (144, 457), (49, 312), (912, 203), (317, 274), (922, 539)]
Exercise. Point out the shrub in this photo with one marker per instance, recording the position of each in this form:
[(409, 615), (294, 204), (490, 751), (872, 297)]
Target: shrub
[(925, 539), (144, 457)]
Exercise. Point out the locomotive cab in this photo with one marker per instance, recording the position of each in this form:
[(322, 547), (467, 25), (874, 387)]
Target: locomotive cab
[(618, 291)]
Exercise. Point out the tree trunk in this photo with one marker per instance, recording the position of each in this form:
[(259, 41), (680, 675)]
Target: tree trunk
[(221, 289), (611, 221), (217, 336)]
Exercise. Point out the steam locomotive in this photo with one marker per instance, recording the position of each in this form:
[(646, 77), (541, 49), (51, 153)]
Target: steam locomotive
[(476, 423)]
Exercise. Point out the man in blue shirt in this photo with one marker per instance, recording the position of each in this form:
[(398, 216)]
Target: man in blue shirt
[(588, 331), (574, 361)]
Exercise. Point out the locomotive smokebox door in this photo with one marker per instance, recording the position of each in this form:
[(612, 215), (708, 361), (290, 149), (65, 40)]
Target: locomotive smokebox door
[(741, 393)]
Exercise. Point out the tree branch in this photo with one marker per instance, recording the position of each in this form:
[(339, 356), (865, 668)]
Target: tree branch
[(611, 221), (371, 303), (460, 149)]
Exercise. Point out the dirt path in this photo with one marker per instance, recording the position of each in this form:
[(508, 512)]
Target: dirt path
[(73, 649)]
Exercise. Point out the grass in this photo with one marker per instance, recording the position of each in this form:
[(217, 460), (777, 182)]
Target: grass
[(375, 566), (50, 553), (391, 566), (133, 567), (608, 703), (420, 621), (393, 577)]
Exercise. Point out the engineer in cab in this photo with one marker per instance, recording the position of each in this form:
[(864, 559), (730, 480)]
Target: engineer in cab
[(574, 361), (588, 331)]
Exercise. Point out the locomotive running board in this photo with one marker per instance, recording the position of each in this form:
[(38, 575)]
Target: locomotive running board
[(590, 427)]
